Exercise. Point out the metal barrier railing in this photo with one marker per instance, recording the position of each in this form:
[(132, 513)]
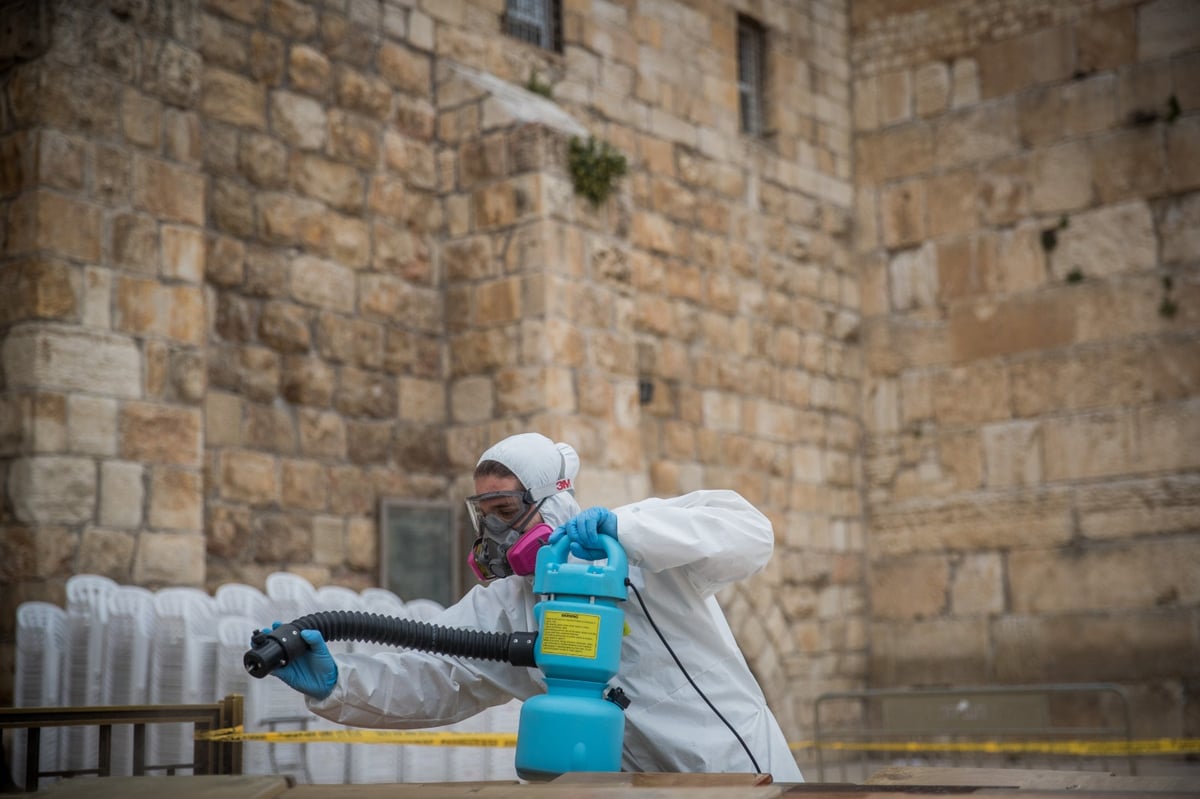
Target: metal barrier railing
[(946, 726), (208, 757)]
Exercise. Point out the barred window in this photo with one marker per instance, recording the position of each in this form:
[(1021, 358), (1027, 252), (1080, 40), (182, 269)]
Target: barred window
[(535, 21), (751, 64)]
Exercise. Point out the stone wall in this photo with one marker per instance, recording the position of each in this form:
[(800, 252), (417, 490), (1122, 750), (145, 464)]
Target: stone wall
[(276, 260), (1027, 205)]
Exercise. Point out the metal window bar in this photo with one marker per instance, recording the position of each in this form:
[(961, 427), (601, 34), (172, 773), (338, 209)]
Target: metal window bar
[(1058, 711), (209, 757), (538, 22), (751, 64)]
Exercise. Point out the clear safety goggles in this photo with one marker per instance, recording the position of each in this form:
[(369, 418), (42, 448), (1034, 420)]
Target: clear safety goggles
[(489, 513)]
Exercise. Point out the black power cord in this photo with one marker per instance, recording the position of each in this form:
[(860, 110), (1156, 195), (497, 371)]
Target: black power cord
[(678, 663)]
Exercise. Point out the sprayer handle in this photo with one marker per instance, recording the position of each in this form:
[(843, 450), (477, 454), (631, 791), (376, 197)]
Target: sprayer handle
[(612, 550)]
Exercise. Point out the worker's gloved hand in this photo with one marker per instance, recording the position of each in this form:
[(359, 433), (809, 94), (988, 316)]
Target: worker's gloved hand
[(314, 673), (585, 530)]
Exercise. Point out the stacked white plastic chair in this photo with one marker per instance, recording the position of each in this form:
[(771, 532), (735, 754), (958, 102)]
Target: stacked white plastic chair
[(334, 763), (87, 610), (41, 653), (182, 667), (127, 640), (233, 637), (291, 596)]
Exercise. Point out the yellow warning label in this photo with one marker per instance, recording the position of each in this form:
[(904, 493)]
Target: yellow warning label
[(571, 634)]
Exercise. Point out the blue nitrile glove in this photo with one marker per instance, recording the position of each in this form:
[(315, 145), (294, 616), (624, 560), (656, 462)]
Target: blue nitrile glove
[(314, 673), (585, 530)]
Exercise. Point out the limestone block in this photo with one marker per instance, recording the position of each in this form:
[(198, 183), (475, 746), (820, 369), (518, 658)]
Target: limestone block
[(350, 491), (354, 139), (183, 253), (362, 544), (248, 477), (70, 358), (974, 523), (36, 288), (322, 284), (1106, 40), (405, 69), (269, 427), (263, 160), (1180, 230), (153, 433), (266, 58), (1010, 65), (280, 537), (97, 298), (335, 183), (1183, 154), (909, 588), (1163, 433), (930, 652), (1064, 178), (397, 251), (1128, 164), (1079, 646), (121, 494), (285, 327), (307, 381), (964, 82), (906, 150), (1012, 455), (106, 552), (350, 340), (931, 88), (52, 489), (1013, 260), (366, 94), (66, 227), (422, 401), (1146, 575), (952, 200), (1021, 324), (91, 425), (322, 434), (303, 485), (168, 191), (1165, 28), (1086, 446), (309, 70), (903, 214), (1149, 507), (1108, 241), (349, 242), (328, 540), (1185, 74), (913, 278), (1067, 110), (147, 306), (169, 559), (176, 500), (975, 134), (895, 97), (233, 98), (369, 442), (977, 585)]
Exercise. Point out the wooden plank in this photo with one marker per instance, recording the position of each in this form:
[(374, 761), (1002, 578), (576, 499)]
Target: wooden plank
[(1031, 779), (662, 779), (215, 786)]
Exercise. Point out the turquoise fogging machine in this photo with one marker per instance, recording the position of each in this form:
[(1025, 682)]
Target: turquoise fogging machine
[(579, 723)]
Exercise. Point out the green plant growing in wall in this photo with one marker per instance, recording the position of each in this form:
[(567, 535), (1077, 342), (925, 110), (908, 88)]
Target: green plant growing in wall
[(1168, 307), (596, 167), (539, 86)]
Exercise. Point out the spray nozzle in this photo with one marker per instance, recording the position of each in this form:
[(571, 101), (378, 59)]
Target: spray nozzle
[(273, 649)]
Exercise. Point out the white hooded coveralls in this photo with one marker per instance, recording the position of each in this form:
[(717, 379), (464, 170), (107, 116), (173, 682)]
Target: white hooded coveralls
[(681, 552)]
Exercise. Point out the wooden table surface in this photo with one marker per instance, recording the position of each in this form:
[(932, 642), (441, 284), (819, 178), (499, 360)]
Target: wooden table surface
[(886, 784)]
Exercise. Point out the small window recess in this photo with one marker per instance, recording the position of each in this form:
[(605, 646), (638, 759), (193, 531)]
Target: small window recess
[(752, 76), (538, 22)]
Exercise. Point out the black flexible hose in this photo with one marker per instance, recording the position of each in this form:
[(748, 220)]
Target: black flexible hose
[(275, 648)]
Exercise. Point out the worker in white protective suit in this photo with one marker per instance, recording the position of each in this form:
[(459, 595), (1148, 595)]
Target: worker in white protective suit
[(681, 551)]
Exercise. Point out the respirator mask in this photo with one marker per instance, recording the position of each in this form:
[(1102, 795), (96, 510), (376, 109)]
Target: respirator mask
[(501, 548)]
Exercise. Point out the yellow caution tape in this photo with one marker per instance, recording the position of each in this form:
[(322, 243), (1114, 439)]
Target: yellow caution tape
[(413, 737), (1110, 748)]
